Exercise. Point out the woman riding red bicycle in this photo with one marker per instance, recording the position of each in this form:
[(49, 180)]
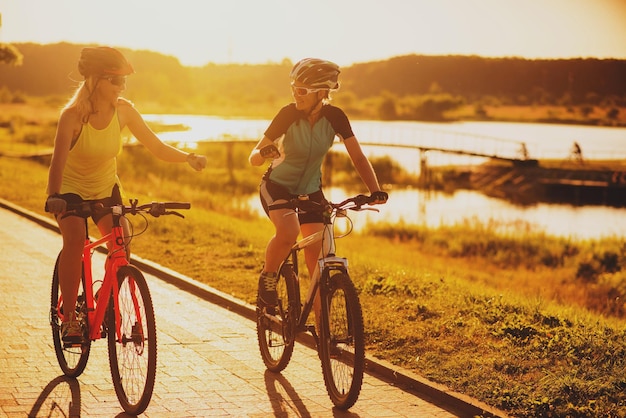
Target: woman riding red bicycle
[(83, 165)]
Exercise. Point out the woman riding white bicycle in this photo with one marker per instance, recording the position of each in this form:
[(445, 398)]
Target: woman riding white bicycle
[(297, 140)]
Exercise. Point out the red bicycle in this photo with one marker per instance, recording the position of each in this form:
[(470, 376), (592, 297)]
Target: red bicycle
[(120, 310)]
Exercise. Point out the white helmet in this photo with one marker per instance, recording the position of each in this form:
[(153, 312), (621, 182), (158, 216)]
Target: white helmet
[(317, 73)]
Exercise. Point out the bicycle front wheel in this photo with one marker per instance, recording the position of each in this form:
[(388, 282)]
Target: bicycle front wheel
[(132, 341), (72, 358), (276, 333), (342, 346)]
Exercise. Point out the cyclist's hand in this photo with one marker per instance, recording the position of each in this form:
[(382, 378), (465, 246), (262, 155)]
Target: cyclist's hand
[(379, 197), (55, 204), (197, 162), (270, 151)]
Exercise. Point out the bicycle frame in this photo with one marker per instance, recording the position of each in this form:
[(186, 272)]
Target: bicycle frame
[(326, 260), (120, 310), (116, 258), (338, 330)]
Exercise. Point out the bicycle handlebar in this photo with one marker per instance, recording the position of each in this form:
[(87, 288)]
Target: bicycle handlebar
[(155, 209), (356, 203)]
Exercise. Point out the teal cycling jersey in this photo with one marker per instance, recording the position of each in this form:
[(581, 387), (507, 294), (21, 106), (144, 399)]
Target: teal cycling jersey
[(303, 146)]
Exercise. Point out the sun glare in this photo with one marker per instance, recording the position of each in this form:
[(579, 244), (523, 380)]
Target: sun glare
[(347, 31)]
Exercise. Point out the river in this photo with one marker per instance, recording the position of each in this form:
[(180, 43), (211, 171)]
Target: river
[(437, 208)]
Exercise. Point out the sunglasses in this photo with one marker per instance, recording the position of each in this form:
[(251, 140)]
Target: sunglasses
[(116, 80), (303, 91)]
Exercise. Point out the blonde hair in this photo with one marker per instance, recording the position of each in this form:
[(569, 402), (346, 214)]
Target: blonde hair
[(81, 100), (94, 62), (327, 98)]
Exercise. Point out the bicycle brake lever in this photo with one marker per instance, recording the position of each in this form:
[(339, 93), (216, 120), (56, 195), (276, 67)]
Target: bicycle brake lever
[(175, 213), (157, 209)]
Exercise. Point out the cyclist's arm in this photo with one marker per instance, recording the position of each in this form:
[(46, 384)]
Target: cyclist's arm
[(362, 164), (129, 116)]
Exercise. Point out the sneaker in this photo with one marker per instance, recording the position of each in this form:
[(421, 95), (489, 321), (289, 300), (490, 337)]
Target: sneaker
[(72, 332), (267, 290)]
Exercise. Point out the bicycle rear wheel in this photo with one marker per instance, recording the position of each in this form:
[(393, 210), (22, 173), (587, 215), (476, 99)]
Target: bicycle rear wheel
[(276, 333), (72, 358), (342, 346), (132, 341)]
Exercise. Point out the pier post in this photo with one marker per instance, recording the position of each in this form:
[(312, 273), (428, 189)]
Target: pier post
[(425, 173)]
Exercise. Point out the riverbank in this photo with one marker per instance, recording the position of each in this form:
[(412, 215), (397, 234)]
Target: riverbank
[(43, 111), (427, 306), (527, 323), (576, 182)]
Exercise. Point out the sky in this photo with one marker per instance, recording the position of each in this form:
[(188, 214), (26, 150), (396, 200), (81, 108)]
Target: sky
[(198, 32)]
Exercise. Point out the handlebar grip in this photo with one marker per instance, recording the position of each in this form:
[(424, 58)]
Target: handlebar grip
[(362, 199), (177, 205)]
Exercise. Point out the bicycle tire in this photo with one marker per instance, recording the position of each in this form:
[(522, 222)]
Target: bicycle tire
[(342, 345), (72, 359), (133, 358), (277, 334)]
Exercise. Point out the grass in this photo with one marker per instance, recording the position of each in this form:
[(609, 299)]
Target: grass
[(530, 324)]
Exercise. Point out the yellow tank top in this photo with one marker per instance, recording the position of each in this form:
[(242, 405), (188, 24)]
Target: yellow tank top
[(91, 167)]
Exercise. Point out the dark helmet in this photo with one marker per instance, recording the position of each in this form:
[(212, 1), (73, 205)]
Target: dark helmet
[(316, 72), (103, 61)]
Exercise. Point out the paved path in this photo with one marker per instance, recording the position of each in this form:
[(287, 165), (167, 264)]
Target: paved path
[(208, 363)]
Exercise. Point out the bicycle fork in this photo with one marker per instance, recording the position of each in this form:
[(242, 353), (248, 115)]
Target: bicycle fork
[(327, 266)]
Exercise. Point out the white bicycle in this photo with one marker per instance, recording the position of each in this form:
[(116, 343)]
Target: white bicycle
[(340, 343)]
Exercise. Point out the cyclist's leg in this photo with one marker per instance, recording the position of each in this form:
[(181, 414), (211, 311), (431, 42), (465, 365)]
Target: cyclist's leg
[(311, 223), (311, 255), (286, 233), (287, 230), (104, 220), (278, 248), (312, 252), (70, 268)]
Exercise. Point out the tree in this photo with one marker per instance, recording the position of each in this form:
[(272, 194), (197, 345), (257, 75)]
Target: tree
[(10, 54), (387, 108)]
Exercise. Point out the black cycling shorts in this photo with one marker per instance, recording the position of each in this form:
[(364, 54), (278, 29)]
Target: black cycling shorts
[(270, 192), (97, 215)]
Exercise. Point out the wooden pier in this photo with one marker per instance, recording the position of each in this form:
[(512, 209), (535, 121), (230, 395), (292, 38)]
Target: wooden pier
[(596, 182)]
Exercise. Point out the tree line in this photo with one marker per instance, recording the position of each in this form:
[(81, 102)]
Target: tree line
[(417, 87)]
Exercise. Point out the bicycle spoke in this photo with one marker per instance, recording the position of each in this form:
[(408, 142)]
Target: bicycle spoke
[(342, 349), (125, 314), (71, 358), (132, 349), (276, 332)]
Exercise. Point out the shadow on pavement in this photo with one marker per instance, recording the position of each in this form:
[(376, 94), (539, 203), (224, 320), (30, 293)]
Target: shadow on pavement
[(60, 397), (285, 400), (283, 397)]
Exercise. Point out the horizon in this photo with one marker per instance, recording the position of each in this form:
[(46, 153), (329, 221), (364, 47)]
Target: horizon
[(278, 62), (348, 32)]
